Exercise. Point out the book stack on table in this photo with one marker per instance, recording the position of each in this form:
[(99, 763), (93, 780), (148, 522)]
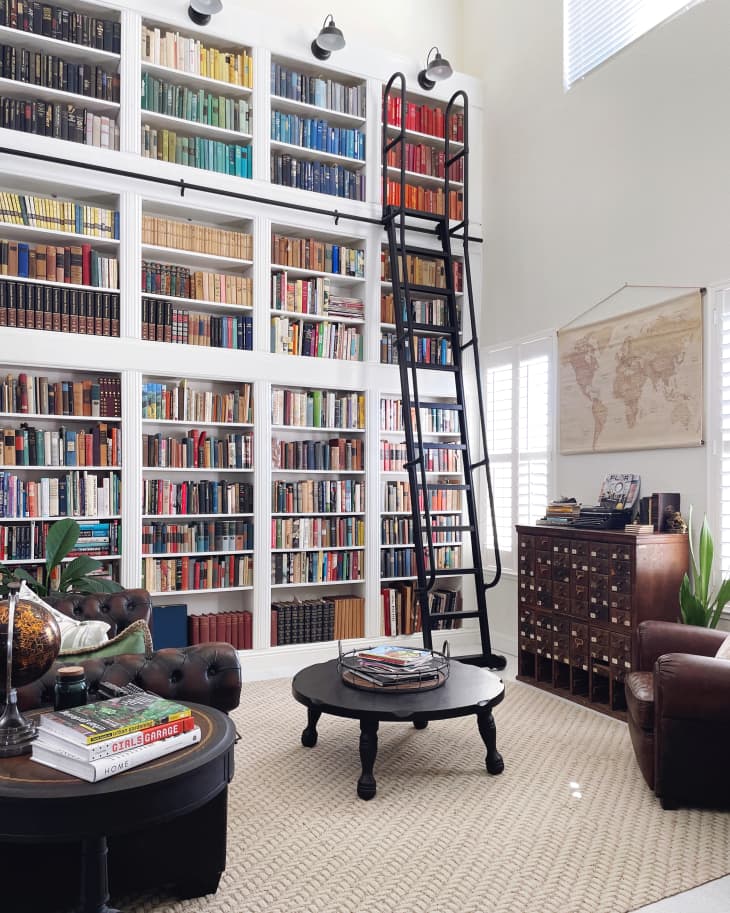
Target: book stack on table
[(389, 665), (98, 740)]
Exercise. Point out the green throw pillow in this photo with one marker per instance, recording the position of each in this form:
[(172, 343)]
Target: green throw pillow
[(134, 639)]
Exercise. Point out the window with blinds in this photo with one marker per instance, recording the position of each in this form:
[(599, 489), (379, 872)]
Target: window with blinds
[(595, 30), (520, 409)]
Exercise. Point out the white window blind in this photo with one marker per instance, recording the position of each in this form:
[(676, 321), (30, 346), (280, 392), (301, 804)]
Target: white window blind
[(594, 30), (519, 436)]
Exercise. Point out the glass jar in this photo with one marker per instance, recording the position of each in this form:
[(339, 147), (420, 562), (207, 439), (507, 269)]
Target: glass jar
[(71, 689)]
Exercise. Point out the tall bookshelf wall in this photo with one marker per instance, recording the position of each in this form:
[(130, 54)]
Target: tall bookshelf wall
[(109, 324)]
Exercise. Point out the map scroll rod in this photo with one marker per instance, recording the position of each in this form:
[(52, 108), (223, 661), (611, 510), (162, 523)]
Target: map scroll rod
[(630, 285)]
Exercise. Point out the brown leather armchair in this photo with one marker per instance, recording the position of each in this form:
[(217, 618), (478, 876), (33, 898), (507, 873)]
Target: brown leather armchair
[(678, 701)]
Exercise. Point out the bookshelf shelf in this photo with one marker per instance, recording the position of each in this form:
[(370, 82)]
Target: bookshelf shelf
[(189, 469), (418, 177), (417, 137), (319, 472), (64, 49), (179, 124), (199, 304), (202, 590), (197, 516), (320, 548), (13, 88), (303, 152), (336, 118), (183, 423), (16, 467), (194, 80), (193, 258), (68, 285), (318, 318), (55, 419), (328, 429), (199, 554), (30, 234), (49, 518), (298, 271), (342, 513), (290, 586)]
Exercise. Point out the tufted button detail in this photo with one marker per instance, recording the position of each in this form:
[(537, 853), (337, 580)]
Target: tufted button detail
[(77, 610), (175, 677), (212, 669)]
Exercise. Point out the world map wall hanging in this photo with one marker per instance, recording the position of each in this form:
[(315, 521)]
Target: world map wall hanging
[(634, 381)]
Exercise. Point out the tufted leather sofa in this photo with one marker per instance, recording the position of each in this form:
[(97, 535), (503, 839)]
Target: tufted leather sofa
[(678, 702), (207, 674)]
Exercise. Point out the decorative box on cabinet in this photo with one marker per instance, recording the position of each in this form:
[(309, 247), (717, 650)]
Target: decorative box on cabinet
[(581, 596)]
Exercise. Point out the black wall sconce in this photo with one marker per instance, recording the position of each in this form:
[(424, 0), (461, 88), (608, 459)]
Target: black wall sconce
[(330, 39), (437, 69), (200, 11)]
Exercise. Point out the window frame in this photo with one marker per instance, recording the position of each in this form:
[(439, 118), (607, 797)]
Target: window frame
[(515, 353)]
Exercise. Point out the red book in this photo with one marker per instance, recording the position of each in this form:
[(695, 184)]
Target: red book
[(220, 626), (194, 629), (241, 630), (86, 264), (228, 625), (247, 629), (205, 629), (274, 628), (196, 583), (23, 387)]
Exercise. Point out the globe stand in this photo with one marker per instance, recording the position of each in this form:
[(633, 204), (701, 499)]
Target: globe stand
[(16, 733)]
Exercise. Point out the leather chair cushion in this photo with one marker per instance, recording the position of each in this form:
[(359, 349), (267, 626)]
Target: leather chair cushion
[(724, 649), (118, 610), (640, 698)]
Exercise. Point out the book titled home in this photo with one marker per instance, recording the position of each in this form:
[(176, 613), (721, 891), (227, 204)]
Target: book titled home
[(109, 719), (102, 768)]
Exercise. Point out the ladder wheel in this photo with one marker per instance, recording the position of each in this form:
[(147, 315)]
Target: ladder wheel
[(496, 661)]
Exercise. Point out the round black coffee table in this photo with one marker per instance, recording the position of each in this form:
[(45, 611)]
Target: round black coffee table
[(40, 805), (467, 690)]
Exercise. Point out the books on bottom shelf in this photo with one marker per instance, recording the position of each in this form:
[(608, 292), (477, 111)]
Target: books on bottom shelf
[(99, 740)]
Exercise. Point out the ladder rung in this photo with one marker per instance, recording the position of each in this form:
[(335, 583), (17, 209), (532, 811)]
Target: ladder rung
[(455, 158), (435, 528), (450, 445), (456, 228), (437, 616), (423, 289), (424, 367), (469, 342), (443, 486), (452, 571), (394, 142), (477, 464), (422, 251), (429, 216), (434, 328), (455, 407)]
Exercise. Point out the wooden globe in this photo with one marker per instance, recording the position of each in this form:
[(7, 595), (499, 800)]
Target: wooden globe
[(36, 642)]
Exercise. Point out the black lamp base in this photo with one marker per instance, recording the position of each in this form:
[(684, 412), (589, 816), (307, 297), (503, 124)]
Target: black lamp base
[(424, 82), (16, 733), (320, 53), (198, 18)]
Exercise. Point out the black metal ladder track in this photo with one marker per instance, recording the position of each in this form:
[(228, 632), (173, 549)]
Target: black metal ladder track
[(398, 220)]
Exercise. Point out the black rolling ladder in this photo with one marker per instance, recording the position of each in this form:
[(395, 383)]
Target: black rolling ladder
[(400, 223)]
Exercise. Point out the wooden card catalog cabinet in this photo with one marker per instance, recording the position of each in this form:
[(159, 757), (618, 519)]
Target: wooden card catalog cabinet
[(581, 596)]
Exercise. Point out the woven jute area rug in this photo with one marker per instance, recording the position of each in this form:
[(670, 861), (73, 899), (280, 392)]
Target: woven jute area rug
[(569, 827)]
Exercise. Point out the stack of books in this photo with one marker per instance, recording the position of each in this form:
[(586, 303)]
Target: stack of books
[(562, 512), (99, 740), (639, 529), (389, 665)]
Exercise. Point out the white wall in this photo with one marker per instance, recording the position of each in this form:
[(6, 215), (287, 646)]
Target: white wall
[(623, 179), (406, 29)]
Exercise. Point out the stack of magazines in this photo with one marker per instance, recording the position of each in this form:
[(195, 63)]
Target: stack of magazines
[(561, 512), (99, 740), (389, 664)]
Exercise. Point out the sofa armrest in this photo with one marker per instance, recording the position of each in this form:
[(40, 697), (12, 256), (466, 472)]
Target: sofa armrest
[(654, 638), (208, 674), (689, 687)]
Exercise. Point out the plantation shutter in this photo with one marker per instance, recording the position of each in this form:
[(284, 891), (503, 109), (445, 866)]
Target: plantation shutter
[(724, 435), (519, 422)]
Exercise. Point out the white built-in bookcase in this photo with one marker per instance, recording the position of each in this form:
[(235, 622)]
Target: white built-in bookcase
[(136, 360)]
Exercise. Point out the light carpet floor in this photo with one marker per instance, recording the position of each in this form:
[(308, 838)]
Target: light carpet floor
[(443, 836)]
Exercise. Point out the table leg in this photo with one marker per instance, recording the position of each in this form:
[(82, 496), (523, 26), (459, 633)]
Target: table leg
[(420, 724), (368, 753), (488, 732), (309, 735), (94, 881)]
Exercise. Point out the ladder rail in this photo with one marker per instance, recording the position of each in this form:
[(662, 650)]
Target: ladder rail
[(400, 283), (461, 95)]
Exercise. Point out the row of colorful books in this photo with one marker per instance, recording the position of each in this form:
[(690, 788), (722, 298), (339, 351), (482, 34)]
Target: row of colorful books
[(96, 741)]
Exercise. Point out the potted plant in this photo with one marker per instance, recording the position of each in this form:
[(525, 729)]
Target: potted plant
[(698, 603), (78, 575)]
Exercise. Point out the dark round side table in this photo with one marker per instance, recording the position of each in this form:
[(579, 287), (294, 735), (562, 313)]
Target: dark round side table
[(40, 805), (467, 690)]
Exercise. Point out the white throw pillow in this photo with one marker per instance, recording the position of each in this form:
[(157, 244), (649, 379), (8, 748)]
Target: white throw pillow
[(74, 633), (724, 651)]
